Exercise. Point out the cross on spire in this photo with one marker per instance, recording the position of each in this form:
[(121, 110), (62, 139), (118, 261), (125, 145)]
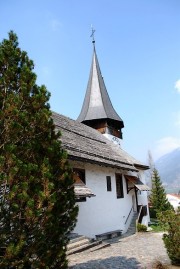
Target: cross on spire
[(92, 34), (97, 110)]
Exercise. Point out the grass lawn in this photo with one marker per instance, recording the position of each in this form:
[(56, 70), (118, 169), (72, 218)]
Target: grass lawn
[(156, 227)]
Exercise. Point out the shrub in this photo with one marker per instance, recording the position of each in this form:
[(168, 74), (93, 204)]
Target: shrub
[(171, 239), (159, 265), (141, 227)]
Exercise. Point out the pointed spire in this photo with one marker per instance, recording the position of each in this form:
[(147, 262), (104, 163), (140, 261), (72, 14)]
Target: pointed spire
[(97, 109)]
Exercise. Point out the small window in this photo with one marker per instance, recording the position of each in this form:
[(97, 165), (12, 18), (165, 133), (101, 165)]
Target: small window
[(108, 180), (119, 186), (79, 174), (81, 199)]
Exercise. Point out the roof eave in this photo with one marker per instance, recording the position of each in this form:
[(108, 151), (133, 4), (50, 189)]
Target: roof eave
[(75, 158), (141, 166)]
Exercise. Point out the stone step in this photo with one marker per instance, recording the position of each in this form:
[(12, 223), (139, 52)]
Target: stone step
[(77, 243), (73, 235), (132, 224), (83, 247), (132, 227), (109, 235), (100, 246), (77, 238)]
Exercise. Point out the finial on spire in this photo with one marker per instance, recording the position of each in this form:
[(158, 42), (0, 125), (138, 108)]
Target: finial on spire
[(92, 34)]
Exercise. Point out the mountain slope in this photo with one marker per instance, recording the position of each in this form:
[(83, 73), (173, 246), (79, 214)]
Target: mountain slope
[(168, 167)]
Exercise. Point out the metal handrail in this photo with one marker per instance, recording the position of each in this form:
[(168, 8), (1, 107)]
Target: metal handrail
[(129, 215), (140, 209)]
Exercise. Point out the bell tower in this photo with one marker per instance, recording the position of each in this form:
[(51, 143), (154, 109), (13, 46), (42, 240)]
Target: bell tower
[(97, 110)]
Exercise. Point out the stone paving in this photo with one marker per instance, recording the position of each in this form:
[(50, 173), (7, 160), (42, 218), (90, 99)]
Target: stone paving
[(138, 251)]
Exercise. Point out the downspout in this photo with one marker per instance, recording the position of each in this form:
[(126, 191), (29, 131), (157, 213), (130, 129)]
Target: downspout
[(136, 198)]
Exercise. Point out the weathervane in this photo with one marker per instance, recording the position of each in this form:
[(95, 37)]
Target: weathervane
[(92, 34)]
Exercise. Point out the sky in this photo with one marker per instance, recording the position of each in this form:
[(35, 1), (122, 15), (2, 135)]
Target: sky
[(138, 48)]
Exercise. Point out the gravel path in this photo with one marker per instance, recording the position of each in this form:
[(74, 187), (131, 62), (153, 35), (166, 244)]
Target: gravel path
[(134, 252)]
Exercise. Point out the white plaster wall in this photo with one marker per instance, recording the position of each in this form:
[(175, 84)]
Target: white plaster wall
[(143, 198), (145, 220), (104, 212), (174, 201), (114, 139)]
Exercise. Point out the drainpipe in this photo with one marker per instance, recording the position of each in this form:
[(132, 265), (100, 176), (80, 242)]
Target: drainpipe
[(136, 199)]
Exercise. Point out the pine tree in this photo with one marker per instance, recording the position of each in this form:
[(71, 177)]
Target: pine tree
[(37, 203), (158, 198), (149, 172)]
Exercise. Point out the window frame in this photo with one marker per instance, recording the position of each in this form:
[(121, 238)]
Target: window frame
[(108, 183), (119, 186), (82, 176)]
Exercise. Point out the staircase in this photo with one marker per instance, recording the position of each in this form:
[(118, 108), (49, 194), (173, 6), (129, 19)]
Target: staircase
[(132, 227), (79, 243)]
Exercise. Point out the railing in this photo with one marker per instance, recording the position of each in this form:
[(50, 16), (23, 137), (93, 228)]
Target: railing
[(129, 215), (139, 218), (142, 213), (144, 210)]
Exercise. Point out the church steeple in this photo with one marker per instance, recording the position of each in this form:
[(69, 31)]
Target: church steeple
[(97, 110)]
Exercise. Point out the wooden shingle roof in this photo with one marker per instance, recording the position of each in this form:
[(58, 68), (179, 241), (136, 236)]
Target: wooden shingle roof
[(86, 144)]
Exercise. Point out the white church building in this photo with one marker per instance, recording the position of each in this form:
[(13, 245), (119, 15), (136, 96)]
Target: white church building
[(109, 183)]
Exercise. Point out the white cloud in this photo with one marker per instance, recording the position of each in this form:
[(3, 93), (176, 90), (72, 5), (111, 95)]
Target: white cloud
[(55, 25), (177, 85), (165, 145)]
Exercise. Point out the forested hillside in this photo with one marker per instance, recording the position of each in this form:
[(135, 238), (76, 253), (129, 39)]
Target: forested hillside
[(169, 169)]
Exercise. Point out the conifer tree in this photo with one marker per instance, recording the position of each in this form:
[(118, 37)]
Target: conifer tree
[(149, 172), (37, 203), (158, 198)]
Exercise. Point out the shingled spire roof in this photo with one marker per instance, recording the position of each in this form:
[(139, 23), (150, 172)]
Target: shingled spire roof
[(97, 104)]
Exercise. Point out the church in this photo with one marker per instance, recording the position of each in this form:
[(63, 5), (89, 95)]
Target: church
[(109, 183)]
